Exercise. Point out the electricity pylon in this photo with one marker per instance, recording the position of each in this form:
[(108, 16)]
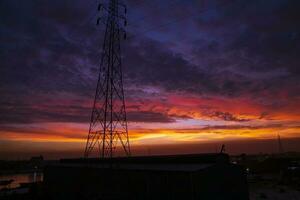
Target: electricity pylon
[(108, 127)]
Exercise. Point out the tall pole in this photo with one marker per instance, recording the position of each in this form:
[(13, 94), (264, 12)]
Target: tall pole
[(108, 127), (280, 147)]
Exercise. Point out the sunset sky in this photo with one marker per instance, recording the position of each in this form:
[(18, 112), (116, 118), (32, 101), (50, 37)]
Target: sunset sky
[(197, 74)]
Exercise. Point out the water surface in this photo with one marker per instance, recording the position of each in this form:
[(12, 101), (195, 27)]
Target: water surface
[(22, 178)]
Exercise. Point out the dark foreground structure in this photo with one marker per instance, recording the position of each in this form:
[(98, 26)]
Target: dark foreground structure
[(182, 177)]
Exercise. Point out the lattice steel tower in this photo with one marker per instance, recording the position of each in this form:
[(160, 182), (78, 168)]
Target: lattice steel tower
[(108, 127)]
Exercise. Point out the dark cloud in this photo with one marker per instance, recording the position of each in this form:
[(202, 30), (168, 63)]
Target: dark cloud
[(242, 48), (149, 63), (30, 113), (25, 114), (261, 48), (247, 54), (263, 115), (226, 116), (144, 116), (232, 127), (42, 53), (36, 130)]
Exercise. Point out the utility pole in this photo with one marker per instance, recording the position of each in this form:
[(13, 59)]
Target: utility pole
[(108, 127), (222, 148), (280, 147)]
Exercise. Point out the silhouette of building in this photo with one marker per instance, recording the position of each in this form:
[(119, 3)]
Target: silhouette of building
[(204, 176)]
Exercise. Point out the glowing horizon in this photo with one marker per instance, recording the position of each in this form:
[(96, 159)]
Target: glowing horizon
[(194, 81)]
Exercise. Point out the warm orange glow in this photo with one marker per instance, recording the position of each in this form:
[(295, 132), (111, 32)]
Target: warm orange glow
[(195, 122), (67, 133)]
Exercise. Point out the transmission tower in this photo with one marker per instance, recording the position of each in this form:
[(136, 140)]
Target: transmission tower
[(108, 127)]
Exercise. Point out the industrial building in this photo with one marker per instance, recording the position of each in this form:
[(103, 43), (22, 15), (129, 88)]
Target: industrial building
[(182, 177)]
